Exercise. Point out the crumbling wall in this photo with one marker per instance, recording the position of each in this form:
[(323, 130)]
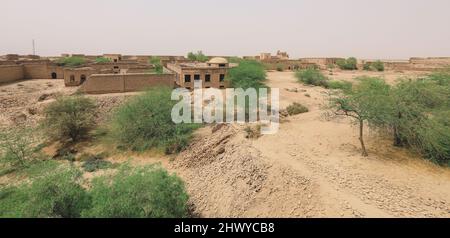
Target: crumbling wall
[(115, 83), (137, 82), (11, 73), (36, 71)]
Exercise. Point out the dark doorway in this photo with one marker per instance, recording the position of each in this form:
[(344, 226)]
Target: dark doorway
[(54, 75), (82, 78)]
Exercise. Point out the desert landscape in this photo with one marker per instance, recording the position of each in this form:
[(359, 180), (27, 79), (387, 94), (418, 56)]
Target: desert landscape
[(204, 117), (311, 168)]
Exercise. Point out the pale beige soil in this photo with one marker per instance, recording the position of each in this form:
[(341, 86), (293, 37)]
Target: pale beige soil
[(311, 168), (390, 76)]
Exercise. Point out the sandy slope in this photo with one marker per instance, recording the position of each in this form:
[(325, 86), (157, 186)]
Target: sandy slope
[(311, 168)]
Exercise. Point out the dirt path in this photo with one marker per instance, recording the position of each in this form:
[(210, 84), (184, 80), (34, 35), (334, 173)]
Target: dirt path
[(327, 152), (311, 168)]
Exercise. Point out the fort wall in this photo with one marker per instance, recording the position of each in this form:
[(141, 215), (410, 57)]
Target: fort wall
[(115, 83), (11, 73)]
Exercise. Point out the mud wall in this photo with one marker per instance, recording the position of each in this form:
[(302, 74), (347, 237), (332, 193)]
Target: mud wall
[(114, 83), (11, 73)]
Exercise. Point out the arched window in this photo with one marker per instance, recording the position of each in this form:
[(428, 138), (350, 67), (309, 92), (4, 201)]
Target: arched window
[(54, 75), (72, 78)]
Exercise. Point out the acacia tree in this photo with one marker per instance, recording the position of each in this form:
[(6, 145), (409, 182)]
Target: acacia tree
[(69, 117), (366, 102)]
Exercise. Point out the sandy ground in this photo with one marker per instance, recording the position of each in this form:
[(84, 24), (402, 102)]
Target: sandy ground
[(389, 76), (311, 168)]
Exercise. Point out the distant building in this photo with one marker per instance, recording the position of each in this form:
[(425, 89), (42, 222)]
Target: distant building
[(113, 57), (210, 74), (282, 55)]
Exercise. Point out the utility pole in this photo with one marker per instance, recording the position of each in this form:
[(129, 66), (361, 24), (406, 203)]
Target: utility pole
[(34, 49)]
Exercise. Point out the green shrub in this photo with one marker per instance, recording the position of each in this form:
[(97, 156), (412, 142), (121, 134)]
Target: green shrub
[(145, 122), (296, 108), (441, 77), (13, 201), (102, 60), (253, 132), (367, 66), (335, 84), (420, 118), (347, 64), (156, 61), (249, 74), (70, 117), (57, 194), (146, 192), (312, 77), (73, 61), (378, 65), (93, 163), (199, 56), (279, 67), (16, 147)]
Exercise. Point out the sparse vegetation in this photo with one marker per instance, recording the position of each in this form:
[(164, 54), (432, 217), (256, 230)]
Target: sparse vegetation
[(70, 117), (199, 56), (296, 108), (16, 148), (146, 192), (249, 74), (145, 122), (312, 77), (347, 64), (335, 84)]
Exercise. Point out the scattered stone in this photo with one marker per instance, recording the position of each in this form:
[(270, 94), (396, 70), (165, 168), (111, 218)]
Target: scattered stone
[(19, 117), (32, 111), (44, 97)]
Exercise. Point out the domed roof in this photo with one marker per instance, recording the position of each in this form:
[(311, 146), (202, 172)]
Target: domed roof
[(218, 60)]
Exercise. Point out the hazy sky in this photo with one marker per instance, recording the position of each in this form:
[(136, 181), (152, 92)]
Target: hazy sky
[(304, 28)]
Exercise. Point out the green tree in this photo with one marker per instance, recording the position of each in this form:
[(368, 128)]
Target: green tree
[(144, 192), (145, 122), (249, 74), (156, 61), (367, 101), (69, 117), (418, 118), (199, 56)]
